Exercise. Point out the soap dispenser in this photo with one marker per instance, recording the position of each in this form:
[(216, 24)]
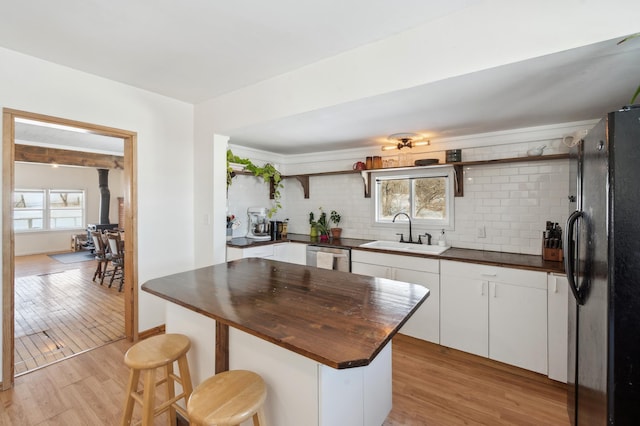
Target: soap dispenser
[(442, 241)]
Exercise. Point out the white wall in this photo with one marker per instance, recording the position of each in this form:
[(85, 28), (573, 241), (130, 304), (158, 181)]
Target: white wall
[(511, 201), (164, 154), (43, 176)]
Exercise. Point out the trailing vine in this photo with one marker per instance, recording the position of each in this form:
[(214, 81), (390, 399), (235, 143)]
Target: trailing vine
[(268, 173)]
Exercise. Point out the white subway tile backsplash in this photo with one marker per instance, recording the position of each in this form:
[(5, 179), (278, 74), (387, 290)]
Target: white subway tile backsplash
[(512, 202)]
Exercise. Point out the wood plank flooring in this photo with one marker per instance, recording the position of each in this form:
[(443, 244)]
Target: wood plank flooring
[(432, 385), (60, 311), (435, 385)]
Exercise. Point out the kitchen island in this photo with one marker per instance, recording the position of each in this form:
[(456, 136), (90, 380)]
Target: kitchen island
[(321, 339)]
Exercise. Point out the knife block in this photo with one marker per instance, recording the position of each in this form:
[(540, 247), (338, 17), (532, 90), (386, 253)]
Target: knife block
[(552, 254)]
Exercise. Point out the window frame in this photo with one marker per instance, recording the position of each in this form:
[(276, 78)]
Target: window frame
[(43, 209), (445, 171), (47, 210)]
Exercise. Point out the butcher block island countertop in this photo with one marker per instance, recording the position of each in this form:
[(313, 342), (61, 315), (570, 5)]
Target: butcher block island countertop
[(339, 319)]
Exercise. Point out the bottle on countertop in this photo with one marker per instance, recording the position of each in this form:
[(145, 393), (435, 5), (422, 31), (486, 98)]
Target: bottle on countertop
[(442, 241)]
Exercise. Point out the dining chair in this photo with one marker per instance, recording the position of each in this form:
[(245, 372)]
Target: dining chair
[(102, 255), (117, 257)]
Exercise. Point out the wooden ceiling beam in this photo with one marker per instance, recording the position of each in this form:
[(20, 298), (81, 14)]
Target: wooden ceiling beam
[(38, 154)]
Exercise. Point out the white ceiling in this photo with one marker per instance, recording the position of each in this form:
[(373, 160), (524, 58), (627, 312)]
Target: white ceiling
[(200, 49)]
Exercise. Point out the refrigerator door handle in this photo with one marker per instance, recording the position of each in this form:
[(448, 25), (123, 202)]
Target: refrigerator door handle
[(569, 259)]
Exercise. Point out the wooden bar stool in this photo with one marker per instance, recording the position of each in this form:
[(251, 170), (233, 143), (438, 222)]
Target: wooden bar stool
[(227, 399), (148, 355)]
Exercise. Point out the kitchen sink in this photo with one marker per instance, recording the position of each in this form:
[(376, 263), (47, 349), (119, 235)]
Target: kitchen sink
[(405, 247)]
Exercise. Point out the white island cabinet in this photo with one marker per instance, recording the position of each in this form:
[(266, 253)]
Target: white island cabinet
[(495, 312), (425, 323), (325, 356)]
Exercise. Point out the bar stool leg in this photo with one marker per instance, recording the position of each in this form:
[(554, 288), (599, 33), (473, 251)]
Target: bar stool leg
[(171, 393), (149, 395), (134, 376), (259, 419), (185, 376)]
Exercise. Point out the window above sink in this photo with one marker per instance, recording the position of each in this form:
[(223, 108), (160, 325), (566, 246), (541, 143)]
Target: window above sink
[(426, 195)]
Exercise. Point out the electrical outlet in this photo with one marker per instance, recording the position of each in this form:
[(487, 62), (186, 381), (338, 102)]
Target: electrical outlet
[(482, 233)]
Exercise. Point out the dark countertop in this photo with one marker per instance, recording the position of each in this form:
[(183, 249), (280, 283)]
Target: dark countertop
[(336, 318), (509, 260)]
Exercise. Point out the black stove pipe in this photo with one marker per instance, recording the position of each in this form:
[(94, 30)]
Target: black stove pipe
[(105, 195)]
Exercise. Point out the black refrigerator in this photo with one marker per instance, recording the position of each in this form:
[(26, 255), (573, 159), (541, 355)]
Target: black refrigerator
[(602, 262)]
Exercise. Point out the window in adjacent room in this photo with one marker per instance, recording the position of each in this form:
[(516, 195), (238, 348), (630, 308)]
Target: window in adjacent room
[(425, 194), (48, 209)]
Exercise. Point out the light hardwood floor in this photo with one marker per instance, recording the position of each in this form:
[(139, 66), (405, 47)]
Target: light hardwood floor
[(435, 385), (60, 311), (432, 385)]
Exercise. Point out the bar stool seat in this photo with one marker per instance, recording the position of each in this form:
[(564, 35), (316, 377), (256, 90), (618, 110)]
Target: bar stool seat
[(228, 398), (148, 355)]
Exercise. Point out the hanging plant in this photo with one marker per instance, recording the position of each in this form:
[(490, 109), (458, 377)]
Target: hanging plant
[(268, 173)]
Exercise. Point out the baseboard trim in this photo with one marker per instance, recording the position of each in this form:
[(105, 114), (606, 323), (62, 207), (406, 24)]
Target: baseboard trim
[(151, 332)]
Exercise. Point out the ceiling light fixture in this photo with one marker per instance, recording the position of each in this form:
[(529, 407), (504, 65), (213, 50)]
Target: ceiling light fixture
[(404, 140)]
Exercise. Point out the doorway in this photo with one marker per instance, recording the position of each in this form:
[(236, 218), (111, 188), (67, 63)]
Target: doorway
[(130, 289)]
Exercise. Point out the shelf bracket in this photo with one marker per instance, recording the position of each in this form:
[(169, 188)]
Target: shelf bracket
[(272, 189), (366, 177), (304, 181), (458, 178)]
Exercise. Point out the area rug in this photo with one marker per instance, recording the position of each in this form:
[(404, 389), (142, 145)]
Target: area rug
[(78, 256)]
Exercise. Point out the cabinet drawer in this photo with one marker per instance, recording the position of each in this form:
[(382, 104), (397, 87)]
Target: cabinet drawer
[(521, 277), (396, 261)]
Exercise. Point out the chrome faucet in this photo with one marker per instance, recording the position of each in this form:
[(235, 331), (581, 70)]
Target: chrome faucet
[(410, 232)]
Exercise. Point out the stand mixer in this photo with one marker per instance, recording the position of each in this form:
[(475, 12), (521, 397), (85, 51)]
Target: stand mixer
[(259, 227)]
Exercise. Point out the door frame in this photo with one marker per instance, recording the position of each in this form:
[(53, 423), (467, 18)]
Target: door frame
[(8, 237)]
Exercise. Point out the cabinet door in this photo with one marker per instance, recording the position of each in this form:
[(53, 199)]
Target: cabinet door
[(371, 270), (297, 253), (464, 314), (234, 253), (518, 326), (557, 326), (425, 322), (290, 252)]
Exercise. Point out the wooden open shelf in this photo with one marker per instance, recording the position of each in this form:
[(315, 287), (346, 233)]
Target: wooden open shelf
[(458, 167)]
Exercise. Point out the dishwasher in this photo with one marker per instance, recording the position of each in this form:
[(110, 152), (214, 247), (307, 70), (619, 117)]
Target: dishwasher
[(341, 257)]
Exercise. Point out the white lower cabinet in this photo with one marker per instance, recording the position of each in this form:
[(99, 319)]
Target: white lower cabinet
[(558, 326), (425, 322), (496, 312), (285, 252), (234, 253), (464, 314), (290, 252)]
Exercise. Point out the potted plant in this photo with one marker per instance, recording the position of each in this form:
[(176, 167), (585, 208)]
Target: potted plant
[(267, 172), (336, 231), (320, 227)]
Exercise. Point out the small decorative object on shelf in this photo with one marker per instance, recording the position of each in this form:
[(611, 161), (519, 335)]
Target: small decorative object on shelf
[(453, 155)]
